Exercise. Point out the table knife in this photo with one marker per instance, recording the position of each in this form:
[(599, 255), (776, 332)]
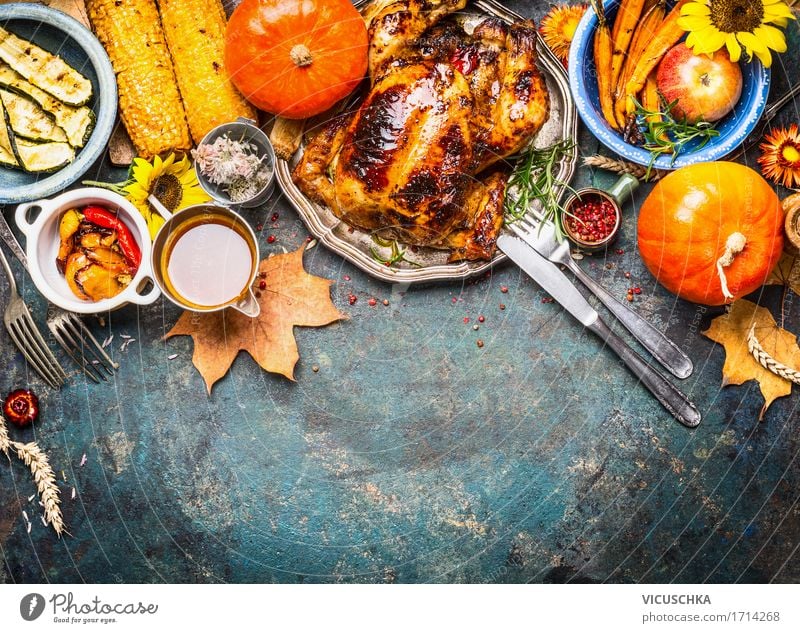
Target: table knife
[(558, 286)]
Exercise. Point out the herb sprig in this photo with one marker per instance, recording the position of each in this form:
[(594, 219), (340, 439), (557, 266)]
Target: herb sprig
[(534, 179), (396, 256), (664, 134)]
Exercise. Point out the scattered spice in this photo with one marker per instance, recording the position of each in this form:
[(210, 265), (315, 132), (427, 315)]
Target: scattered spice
[(172, 357), (233, 165), (346, 277), (548, 300), (372, 302), (275, 217), (386, 302), (629, 296), (83, 461), (271, 239), (21, 407), (476, 327), (352, 298), (262, 285), (479, 342), (502, 306), (466, 319), (315, 368), (627, 275), (262, 275), (481, 319), (259, 227), (503, 289)]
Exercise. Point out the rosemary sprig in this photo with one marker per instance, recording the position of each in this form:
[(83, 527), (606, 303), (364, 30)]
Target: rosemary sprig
[(664, 134), (396, 256), (534, 179)]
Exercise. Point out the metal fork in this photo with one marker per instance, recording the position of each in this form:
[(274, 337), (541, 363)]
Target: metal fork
[(67, 328), (541, 235), (26, 336)]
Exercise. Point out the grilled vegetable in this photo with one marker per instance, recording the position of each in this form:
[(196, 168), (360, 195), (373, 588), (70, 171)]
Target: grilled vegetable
[(624, 25), (29, 121), (77, 122), (665, 38), (195, 34), (8, 157), (603, 49), (45, 70), (43, 157), (150, 105), (107, 220)]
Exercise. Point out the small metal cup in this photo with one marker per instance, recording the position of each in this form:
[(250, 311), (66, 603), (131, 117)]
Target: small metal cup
[(617, 195), (245, 302), (245, 130)]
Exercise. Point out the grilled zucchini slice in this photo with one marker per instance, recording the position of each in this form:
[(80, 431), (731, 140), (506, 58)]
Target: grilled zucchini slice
[(29, 121), (8, 157), (45, 70), (40, 158), (77, 123)]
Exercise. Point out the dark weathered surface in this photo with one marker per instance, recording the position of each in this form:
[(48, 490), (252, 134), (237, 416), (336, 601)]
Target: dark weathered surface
[(412, 455)]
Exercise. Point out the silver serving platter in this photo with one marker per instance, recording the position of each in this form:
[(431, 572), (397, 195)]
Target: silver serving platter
[(431, 264)]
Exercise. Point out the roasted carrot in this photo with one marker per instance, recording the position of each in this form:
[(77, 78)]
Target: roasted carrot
[(651, 100), (602, 63), (624, 25), (666, 36), (643, 34)]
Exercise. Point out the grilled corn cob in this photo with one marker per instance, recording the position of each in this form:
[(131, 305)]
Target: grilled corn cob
[(195, 33), (150, 104)]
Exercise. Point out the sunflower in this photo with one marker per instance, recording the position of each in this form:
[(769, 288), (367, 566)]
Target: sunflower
[(780, 156), (738, 25), (172, 181), (558, 28)]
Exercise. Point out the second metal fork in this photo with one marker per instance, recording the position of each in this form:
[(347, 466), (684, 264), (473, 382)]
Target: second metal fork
[(26, 336)]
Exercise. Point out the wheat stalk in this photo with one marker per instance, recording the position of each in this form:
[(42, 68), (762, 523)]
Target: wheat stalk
[(5, 443), (768, 362), (36, 460), (622, 167)]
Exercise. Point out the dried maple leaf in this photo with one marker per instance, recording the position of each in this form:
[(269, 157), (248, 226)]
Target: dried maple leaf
[(731, 331), (291, 298), (786, 273)]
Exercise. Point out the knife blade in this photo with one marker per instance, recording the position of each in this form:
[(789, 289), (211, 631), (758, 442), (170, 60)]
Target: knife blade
[(558, 286), (549, 277)]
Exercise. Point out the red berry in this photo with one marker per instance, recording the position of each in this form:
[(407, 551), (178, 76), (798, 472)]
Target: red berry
[(372, 301), (262, 285), (271, 239), (21, 407)]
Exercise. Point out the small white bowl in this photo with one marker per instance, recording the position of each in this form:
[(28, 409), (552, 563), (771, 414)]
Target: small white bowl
[(42, 242)]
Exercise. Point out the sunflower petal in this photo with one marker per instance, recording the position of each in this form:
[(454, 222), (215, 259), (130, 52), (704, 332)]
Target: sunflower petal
[(751, 42), (772, 37), (734, 49), (695, 8), (779, 10), (693, 22)]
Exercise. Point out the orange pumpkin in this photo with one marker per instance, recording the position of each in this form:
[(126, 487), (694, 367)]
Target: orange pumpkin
[(712, 232), (296, 58)]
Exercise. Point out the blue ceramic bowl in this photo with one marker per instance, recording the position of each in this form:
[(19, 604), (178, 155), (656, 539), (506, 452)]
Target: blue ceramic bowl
[(60, 34), (733, 129)]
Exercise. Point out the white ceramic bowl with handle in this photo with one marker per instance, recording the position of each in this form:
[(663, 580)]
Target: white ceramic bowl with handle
[(39, 222)]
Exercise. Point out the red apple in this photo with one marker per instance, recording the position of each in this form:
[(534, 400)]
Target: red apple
[(706, 87)]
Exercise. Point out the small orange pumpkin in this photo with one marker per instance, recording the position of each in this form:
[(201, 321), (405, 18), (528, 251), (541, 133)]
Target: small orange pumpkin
[(712, 232), (296, 58)]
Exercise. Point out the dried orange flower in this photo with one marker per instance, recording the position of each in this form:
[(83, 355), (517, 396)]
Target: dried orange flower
[(558, 28), (780, 156)]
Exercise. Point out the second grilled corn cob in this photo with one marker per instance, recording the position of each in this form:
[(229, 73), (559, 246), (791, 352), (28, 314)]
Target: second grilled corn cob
[(195, 33), (150, 104)]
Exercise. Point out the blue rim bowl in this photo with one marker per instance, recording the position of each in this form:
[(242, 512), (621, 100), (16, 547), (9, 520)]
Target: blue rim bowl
[(60, 34), (733, 129)]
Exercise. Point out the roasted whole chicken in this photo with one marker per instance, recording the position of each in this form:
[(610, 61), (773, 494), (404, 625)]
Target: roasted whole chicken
[(420, 158)]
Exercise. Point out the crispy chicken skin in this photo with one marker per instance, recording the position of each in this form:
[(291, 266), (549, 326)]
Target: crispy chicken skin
[(413, 162)]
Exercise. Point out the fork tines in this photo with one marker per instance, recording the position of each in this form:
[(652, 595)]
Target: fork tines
[(77, 340), (29, 341)]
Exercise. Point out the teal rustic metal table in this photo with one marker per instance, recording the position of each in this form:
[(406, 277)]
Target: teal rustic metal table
[(412, 455)]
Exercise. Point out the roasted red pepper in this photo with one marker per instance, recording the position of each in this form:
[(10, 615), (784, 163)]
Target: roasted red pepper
[(127, 244), (21, 407)]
